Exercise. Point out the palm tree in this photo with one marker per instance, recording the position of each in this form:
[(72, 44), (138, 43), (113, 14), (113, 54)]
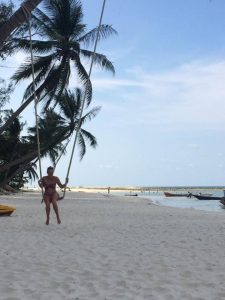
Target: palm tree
[(18, 18), (63, 38), (70, 105), (59, 126), (12, 146)]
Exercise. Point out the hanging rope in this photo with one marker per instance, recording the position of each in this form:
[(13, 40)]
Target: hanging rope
[(35, 107), (83, 102), (61, 154)]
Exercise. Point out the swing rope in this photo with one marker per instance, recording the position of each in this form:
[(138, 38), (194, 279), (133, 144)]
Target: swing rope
[(35, 99), (83, 102), (61, 154)]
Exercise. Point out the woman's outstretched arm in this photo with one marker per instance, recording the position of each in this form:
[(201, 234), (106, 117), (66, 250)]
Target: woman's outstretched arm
[(62, 186)]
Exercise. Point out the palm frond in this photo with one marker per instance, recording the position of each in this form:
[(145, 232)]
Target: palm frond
[(76, 28), (90, 37), (38, 80), (82, 145), (31, 172), (99, 59), (57, 80), (25, 69), (67, 104), (37, 45), (91, 114), (67, 13), (53, 154), (63, 152), (45, 24), (85, 80), (89, 137)]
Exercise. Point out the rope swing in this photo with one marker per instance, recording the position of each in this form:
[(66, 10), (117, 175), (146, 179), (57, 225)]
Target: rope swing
[(35, 101), (82, 107)]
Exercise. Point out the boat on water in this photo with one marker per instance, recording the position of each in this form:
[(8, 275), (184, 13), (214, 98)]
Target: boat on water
[(189, 195), (131, 194), (204, 197), (168, 194), (6, 210)]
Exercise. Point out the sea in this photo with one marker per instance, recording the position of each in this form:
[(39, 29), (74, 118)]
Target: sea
[(157, 197)]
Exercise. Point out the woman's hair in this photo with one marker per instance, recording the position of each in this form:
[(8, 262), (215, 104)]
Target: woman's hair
[(50, 168)]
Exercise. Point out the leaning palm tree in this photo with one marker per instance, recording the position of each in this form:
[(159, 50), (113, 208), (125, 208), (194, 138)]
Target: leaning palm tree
[(60, 126), (64, 43)]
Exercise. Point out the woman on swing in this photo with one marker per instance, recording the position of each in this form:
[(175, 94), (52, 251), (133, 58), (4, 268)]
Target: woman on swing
[(50, 195)]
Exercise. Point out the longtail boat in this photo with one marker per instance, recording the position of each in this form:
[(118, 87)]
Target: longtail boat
[(168, 194), (204, 197)]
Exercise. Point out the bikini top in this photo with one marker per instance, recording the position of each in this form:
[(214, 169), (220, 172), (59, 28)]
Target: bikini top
[(49, 185)]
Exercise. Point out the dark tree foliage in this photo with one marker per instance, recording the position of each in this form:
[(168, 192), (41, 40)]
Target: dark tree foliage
[(63, 47), (18, 154), (5, 91), (61, 43), (6, 11)]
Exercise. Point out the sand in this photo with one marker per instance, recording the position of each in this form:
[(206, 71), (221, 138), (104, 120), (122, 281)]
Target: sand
[(110, 248)]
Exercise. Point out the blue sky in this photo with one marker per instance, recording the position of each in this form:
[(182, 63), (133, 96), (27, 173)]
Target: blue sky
[(163, 114)]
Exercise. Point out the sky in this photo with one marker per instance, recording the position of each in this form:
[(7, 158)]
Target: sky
[(162, 121)]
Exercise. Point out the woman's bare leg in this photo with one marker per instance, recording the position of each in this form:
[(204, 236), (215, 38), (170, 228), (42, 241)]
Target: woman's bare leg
[(55, 206), (47, 208)]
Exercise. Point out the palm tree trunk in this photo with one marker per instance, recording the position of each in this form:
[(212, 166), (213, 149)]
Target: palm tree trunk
[(18, 18), (21, 168), (29, 157)]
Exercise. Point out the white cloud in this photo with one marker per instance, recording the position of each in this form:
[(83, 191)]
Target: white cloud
[(189, 96), (192, 95), (193, 145), (108, 166)]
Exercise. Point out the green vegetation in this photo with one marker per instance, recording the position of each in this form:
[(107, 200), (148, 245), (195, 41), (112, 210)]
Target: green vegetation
[(60, 43)]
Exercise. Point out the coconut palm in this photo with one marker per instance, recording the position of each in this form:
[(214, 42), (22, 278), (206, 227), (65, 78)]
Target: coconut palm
[(64, 43), (70, 105), (61, 125), (55, 129)]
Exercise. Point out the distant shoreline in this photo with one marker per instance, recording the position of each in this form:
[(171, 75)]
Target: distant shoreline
[(136, 189), (153, 188)]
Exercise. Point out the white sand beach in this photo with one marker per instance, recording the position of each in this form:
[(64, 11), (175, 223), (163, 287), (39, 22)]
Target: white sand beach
[(110, 248)]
